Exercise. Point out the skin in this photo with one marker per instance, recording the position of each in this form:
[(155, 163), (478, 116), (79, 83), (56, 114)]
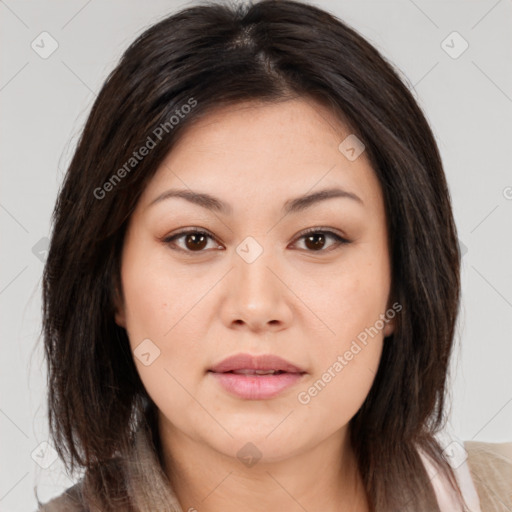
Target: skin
[(304, 304)]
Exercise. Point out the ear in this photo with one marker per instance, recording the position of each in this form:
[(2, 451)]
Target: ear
[(390, 322), (119, 309), (389, 328)]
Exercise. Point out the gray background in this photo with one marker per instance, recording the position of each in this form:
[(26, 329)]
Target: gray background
[(45, 101)]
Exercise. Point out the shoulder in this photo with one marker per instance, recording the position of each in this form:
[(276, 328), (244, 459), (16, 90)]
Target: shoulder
[(69, 501), (490, 465)]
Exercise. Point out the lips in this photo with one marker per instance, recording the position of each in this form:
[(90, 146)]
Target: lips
[(256, 377), (247, 364)]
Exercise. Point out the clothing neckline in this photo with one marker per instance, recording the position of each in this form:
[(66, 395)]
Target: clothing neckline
[(447, 497)]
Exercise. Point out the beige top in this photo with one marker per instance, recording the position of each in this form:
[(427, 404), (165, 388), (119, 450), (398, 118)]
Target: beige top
[(490, 465), (484, 475), (485, 479)]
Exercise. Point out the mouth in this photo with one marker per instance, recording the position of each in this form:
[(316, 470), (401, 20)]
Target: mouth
[(256, 377), (247, 371), (247, 364)]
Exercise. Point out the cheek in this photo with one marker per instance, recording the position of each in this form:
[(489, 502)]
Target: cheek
[(147, 303), (349, 302), (158, 300), (162, 320), (342, 379), (161, 334), (352, 303)]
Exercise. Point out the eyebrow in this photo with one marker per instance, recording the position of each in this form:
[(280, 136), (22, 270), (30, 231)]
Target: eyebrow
[(295, 205)]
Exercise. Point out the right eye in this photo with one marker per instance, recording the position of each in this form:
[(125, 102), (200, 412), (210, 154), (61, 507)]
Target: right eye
[(194, 240)]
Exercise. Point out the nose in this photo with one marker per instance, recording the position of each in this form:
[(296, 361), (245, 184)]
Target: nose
[(256, 296)]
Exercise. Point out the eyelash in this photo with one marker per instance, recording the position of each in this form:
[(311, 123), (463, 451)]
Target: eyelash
[(340, 241)]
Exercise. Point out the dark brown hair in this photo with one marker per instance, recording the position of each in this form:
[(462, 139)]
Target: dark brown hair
[(206, 57)]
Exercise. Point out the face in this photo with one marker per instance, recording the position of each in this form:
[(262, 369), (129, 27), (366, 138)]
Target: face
[(259, 272)]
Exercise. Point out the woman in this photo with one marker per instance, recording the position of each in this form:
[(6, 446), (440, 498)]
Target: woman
[(253, 279)]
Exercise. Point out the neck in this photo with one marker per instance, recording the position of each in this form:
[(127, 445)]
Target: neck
[(323, 477)]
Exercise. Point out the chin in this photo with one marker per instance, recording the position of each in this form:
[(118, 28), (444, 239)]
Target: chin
[(258, 445)]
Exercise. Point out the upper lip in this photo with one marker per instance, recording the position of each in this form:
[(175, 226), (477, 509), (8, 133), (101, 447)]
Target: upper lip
[(255, 362)]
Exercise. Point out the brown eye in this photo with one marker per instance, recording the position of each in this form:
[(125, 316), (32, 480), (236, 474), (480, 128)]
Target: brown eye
[(192, 241), (195, 241), (315, 240)]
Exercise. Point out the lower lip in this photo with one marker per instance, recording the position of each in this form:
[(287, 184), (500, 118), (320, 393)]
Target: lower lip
[(256, 387)]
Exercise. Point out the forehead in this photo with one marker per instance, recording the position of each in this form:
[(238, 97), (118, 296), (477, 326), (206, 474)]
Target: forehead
[(278, 149), (284, 128)]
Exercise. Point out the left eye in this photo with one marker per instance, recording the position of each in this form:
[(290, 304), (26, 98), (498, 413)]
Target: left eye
[(315, 238), (196, 240)]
